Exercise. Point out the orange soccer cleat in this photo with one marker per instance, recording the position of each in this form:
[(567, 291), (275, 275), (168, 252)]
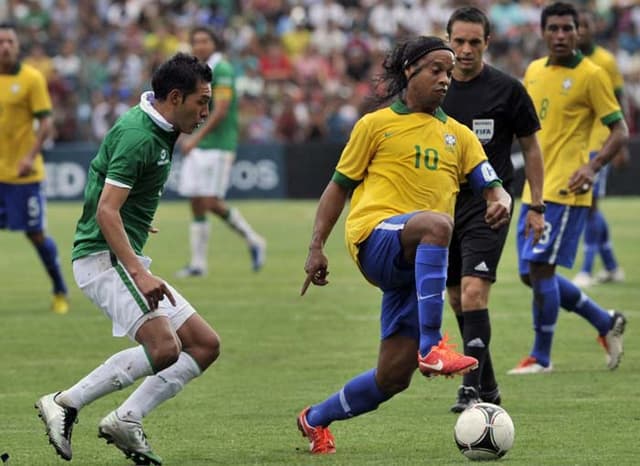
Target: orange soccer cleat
[(321, 440), (443, 360)]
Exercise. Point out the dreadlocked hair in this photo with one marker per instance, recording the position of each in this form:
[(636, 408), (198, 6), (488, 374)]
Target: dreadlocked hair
[(392, 81)]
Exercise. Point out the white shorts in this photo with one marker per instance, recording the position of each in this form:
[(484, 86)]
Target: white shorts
[(113, 290), (206, 173)]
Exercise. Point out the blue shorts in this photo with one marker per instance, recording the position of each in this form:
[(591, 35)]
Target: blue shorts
[(382, 263), (22, 207), (563, 226), (600, 182)]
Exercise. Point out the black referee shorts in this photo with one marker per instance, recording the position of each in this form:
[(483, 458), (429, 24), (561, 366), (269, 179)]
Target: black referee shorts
[(475, 248)]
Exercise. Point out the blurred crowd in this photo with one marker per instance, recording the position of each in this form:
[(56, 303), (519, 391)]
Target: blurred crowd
[(304, 67)]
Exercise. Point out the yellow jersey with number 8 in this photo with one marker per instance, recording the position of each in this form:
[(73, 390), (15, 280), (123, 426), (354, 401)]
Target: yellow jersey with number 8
[(569, 99)]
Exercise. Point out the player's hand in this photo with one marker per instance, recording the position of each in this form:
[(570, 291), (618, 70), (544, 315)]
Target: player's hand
[(316, 268), (25, 167), (582, 179), (498, 213), (154, 289), (534, 224)]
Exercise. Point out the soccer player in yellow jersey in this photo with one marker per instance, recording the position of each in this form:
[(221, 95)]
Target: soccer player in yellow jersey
[(404, 163), (569, 93), (23, 98), (597, 240)]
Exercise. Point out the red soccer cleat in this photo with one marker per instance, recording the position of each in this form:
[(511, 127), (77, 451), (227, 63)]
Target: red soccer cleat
[(443, 360), (321, 440)]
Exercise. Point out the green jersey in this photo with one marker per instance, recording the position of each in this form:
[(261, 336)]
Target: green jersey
[(135, 154), (223, 86)]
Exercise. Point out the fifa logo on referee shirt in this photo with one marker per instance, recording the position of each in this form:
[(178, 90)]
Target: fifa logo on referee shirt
[(483, 130)]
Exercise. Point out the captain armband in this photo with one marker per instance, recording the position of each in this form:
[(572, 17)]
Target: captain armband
[(483, 176)]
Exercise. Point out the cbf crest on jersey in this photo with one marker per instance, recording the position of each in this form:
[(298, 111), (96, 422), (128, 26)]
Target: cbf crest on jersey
[(484, 130), (449, 142)]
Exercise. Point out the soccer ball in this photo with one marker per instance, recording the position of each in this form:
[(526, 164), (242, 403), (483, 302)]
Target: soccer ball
[(484, 432)]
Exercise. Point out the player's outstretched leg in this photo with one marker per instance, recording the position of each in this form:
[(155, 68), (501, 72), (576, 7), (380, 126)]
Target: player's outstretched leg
[(59, 421), (129, 437)]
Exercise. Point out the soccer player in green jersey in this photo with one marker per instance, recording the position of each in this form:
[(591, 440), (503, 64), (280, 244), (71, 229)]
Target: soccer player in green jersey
[(208, 157), (570, 94), (404, 164), (123, 189)]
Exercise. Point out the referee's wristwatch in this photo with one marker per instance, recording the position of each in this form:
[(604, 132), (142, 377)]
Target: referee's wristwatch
[(540, 208)]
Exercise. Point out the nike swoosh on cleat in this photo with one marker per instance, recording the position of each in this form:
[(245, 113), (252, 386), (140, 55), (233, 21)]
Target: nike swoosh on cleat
[(437, 367)]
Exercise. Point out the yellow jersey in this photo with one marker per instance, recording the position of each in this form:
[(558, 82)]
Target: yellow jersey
[(23, 97), (605, 60), (569, 98), (401, 162)]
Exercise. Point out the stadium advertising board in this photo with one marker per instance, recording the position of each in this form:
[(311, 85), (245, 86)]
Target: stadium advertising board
[(259, 172)]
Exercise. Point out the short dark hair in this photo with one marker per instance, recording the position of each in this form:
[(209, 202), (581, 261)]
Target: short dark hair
[(216, 38), (558, 9), (182, 72), (470, 14)]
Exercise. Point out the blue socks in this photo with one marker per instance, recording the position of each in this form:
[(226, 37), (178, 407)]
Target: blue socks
[(546, 306), (572, 299), (48, 253), (591, 239), (360, 395), (604, 243), (597, 241), (431, 276)]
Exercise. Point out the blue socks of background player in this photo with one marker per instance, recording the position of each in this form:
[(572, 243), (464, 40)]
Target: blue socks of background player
[(596, 240), (546, 306), (572, 299), (431, 276), (604, 243), (591, 239), (48, 253), (360, 395)]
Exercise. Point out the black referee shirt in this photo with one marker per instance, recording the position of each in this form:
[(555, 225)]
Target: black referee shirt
[(496, 107)]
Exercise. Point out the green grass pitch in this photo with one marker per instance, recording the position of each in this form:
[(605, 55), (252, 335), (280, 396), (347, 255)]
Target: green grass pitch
[(281, 352)]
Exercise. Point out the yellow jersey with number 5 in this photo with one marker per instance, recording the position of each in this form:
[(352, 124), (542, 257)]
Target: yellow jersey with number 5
[(23, 97), (399, 162), (569, 99)]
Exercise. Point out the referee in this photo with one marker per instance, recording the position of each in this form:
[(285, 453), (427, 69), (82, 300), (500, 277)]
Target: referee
[(496, 107)]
